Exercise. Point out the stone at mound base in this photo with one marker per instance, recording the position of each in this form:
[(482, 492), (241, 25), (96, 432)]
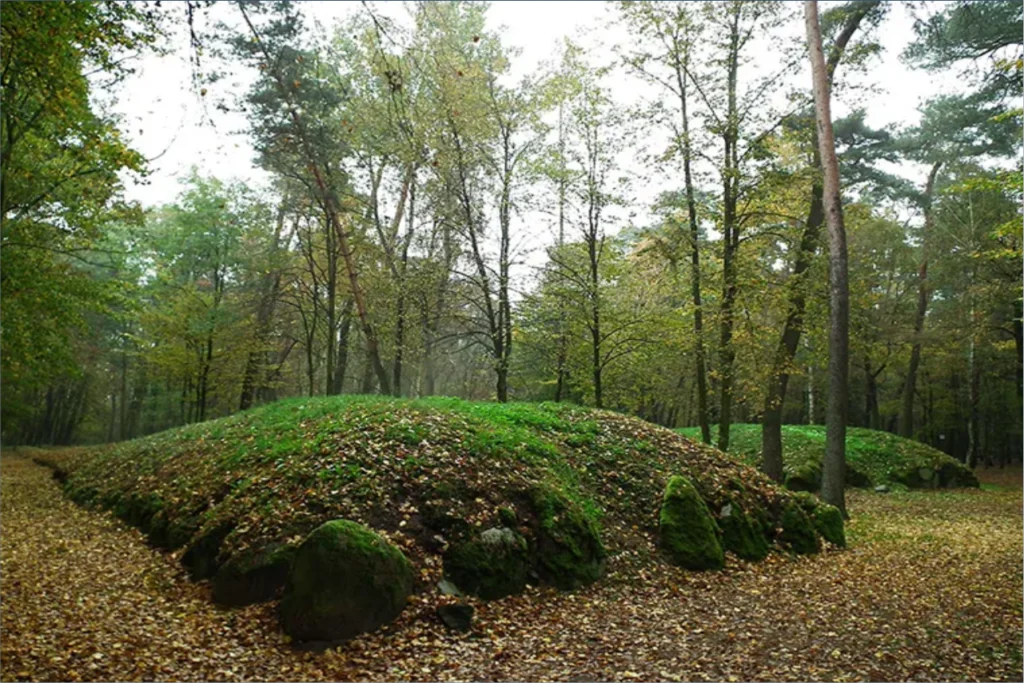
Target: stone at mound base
[(689, 535), (456, 617), (344, 580), (742, 535), (798, 529), (492, 566), (569, 552), (828, 521), (253, 577)]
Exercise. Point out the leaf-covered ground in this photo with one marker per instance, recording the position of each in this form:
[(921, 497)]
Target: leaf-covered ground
[(872, 457), (930, 589)]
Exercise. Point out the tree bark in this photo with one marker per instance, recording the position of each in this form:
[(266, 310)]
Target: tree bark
[(771, 425), (907, 409), (834, 468), (681, 67), (730, 238)]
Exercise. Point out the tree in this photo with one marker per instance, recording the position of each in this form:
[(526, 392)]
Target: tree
[(850, 19), (834, 466)]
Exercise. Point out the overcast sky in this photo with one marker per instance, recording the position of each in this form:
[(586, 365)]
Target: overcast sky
[(169, 122)]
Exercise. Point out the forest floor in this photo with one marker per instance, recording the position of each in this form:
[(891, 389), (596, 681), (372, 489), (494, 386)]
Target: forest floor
[(930, 589)]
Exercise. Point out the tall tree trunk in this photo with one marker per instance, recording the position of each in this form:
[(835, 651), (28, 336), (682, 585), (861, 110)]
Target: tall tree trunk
[(1018, 342), (771, 426), (338, 382), (681, 68), (971, 458), (730, 239), (907, 409), (771, 423), (874, 420), (834, 468)]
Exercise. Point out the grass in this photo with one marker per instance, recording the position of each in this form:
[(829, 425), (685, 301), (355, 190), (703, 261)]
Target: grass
[(872, 457), (414, 469)]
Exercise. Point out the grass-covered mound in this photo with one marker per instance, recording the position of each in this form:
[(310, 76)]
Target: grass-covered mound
[(493, 495), (873, 458)]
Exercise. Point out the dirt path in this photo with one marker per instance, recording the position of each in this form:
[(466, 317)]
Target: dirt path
[(931, 590)]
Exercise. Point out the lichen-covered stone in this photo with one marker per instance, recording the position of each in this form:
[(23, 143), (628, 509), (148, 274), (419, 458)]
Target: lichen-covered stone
[(797, 529), (491, 566), (254, 576), (344, 580), (568, 549), (741, 534), (828, 521), (689, 535)]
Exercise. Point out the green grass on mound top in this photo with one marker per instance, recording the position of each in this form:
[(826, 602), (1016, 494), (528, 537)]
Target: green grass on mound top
[(872, 457), (426, 472)]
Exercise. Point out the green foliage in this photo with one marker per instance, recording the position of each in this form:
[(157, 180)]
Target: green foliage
[(60, 169), (689, 535), (872, 457)]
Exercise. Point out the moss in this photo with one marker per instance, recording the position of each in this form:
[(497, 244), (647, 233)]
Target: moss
[(806, 478), (569, 552), (742, 535), (689, 535), (797, 529), (345, 580), (508, 517), (492, 566), (254, 576), (201, 557), (828, 521)]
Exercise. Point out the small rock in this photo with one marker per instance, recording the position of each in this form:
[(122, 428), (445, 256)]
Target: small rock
[(456, 617), (448, 588), (882, 488)]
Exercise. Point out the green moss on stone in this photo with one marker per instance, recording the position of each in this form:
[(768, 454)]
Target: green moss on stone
[(828, 521), (689, 535), (798, 530), (742, 535), (492, 566), (345, 580), (254, 576), (569, 552)]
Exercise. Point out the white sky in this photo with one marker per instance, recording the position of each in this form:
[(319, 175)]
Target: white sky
[(163, 115)]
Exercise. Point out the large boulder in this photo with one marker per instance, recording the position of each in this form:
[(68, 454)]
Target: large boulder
[(345, 580), (491, 566), (798, 531), (689, 535), (742, 535), (828, 521), (254, 576), (569, 552)]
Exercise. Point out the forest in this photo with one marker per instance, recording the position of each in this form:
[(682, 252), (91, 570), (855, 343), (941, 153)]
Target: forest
[(719, 218), (482, 236)]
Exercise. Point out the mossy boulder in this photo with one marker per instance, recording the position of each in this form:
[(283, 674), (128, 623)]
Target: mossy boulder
[(254, 576), (202, 557), (568, 549), (742, 535), (689, 535), (491, 566), (828, 521), (344, 580), (806, 477), (798, 531)]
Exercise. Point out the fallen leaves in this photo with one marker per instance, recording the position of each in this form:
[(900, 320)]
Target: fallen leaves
[(930, 590)]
